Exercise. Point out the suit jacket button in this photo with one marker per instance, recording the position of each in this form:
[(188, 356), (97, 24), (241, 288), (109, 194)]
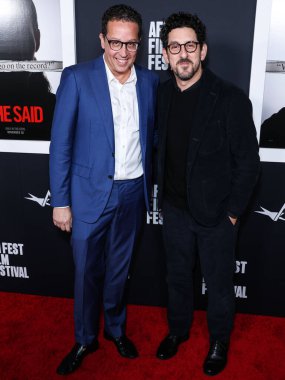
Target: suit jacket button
[(110, 176)]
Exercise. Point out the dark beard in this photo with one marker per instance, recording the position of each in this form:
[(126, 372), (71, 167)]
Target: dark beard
[(188, 75)]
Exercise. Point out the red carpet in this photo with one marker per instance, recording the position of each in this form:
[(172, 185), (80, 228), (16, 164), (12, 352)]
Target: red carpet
[(36, 332)]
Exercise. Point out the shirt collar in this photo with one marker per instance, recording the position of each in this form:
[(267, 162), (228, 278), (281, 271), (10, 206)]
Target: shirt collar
[(111, 78)]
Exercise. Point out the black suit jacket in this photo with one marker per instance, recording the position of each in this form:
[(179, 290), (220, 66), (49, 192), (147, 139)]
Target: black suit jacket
[(222, 161)]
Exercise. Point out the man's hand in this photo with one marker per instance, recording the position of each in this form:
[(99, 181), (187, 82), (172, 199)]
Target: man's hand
[(62, 218), (233, 220)]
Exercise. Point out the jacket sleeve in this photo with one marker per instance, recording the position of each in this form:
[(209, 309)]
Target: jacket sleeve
[(64, 123), (245, 162)]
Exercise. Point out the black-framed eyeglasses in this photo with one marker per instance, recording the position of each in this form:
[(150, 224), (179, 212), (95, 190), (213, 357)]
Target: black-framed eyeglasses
[(117, 45), (190, 47)]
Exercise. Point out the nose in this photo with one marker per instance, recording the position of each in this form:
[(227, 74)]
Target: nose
[(183, 51), (124, 51)]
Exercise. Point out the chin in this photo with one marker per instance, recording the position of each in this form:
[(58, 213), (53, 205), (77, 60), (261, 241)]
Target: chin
[(185, 77)]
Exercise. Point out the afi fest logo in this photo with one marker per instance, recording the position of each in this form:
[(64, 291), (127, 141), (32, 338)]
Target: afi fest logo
[(41, 201), (273, 215)]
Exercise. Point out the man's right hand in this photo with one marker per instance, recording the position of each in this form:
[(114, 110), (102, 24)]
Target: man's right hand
[(62, 218)]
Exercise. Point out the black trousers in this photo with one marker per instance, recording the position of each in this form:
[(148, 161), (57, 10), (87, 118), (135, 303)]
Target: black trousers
[(184, 238)]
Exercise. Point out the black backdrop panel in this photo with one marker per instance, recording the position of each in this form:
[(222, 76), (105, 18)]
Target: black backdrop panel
[(35, 256), (262, 244)]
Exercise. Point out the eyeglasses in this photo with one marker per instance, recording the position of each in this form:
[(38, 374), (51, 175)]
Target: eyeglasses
[(117, 45), (189, 46)]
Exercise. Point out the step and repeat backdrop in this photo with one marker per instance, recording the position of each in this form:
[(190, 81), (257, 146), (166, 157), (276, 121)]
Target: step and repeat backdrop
[(246, 47)]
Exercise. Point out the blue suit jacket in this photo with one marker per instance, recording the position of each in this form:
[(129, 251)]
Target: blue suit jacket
[(82, 162)]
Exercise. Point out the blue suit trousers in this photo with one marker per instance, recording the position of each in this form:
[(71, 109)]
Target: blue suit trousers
[(102, 253)]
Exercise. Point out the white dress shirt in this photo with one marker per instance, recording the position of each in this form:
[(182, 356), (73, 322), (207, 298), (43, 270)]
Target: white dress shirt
[(128, 156)]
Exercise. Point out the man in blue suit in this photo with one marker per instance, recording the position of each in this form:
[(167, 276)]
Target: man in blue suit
[(100, 162)]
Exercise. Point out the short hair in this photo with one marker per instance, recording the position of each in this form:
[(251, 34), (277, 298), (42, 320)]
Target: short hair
[(121, 12), (182, 20)]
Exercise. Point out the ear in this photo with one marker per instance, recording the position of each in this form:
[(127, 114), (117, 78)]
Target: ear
[(165, 55), (204, 51), (102, 40), (37, 35)]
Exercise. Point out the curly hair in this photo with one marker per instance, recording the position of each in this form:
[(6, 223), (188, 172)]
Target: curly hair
[(121, 12), (181, 20)]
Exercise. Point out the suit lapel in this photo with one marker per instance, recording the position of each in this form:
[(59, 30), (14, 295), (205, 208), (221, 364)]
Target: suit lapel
[(141, 87), (102, 97)]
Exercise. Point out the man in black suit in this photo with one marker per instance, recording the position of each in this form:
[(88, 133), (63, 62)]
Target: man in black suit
[(208, 165)]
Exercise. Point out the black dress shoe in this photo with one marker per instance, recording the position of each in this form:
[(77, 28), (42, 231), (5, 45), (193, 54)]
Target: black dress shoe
[(169, 346), (124, 345), (73, 360), (216, 359)]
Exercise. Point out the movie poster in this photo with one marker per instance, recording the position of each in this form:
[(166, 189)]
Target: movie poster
[(268, 79), (32, 42)]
